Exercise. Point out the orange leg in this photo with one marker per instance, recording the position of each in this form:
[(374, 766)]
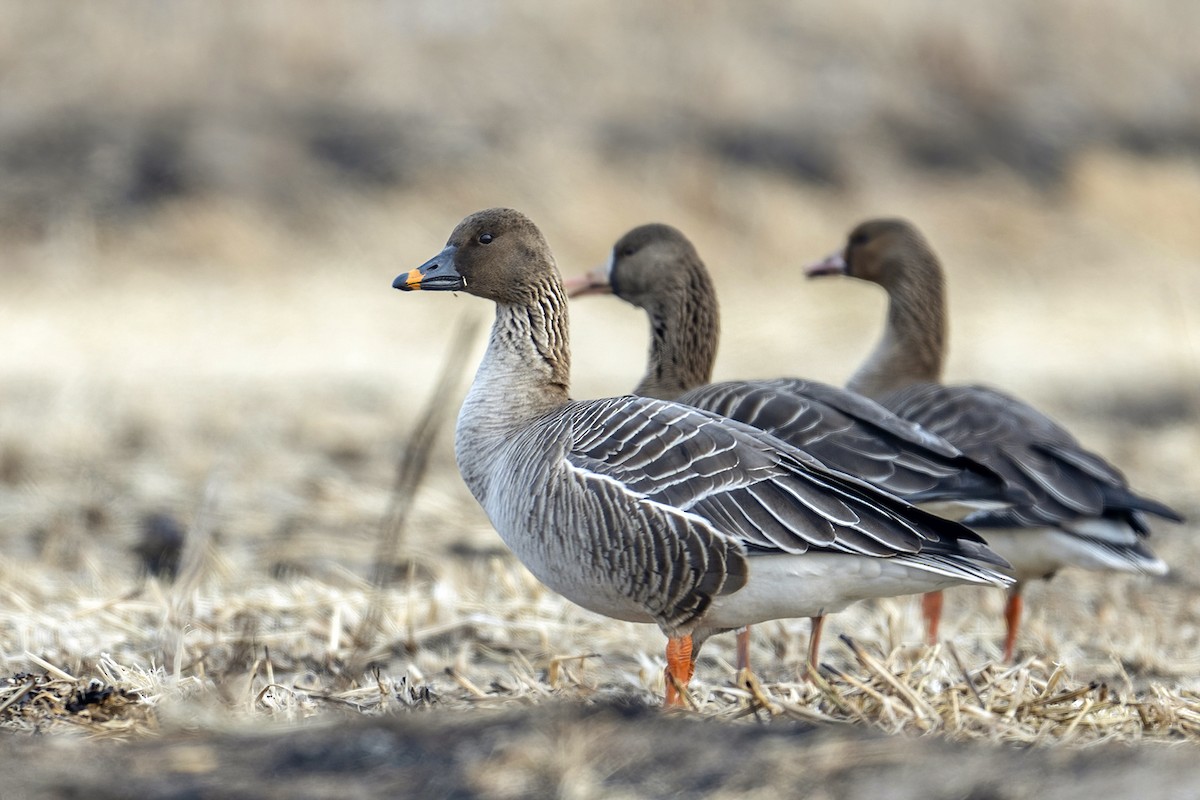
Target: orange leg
[(814, 644), (931, 607), (1012, 620), (679, 669), (743, 649)]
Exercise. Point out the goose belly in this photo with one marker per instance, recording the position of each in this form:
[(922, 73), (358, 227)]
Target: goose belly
[(1040, 552), (813, 584)]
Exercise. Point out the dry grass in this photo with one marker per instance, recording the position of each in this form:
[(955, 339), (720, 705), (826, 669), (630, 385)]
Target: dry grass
[(486, 636)]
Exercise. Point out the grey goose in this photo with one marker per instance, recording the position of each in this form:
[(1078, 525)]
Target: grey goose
[(1082, 512), (650, 511), (657, 268)]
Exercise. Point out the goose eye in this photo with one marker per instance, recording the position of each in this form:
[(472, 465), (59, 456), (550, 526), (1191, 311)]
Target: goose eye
[(626, 252), (858, 239), (485, 238)]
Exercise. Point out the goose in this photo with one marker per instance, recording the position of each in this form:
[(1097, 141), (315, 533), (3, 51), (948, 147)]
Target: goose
[(657, 268), (1082, 512), (646, 510)]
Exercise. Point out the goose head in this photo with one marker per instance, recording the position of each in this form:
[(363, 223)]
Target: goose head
[(883, 251), (497, 254), (646, 267)]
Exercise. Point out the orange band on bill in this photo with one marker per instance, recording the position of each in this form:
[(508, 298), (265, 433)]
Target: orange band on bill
[(413, 280)]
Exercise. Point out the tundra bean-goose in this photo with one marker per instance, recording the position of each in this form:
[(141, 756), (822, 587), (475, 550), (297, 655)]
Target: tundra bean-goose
[(656, 268), (651, 511), (1082, 512)]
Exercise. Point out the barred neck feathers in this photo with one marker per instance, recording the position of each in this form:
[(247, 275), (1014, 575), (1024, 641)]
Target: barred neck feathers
[(527, 369), (656, 268)]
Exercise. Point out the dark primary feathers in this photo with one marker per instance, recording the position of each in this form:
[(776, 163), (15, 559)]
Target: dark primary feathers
[(1030, 450)]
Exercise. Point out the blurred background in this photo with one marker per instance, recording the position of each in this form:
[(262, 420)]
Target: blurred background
[(203, 204)]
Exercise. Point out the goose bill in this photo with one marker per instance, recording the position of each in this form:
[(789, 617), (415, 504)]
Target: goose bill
[(832, 264), (594, 281), (435, 275)]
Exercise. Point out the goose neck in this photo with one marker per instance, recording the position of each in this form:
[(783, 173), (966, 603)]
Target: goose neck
[(525, 373), (684, 331), (913, 345)]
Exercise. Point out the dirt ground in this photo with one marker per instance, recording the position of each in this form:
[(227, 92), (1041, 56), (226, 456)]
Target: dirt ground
[(574, 751), (204, 365)]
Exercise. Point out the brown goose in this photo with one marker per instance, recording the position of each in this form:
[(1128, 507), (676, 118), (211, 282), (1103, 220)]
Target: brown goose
[(656, 268), (1082, 513), (651, 511)]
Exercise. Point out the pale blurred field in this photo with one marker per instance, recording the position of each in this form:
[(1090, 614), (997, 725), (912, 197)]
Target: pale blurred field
[(203, 205)]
